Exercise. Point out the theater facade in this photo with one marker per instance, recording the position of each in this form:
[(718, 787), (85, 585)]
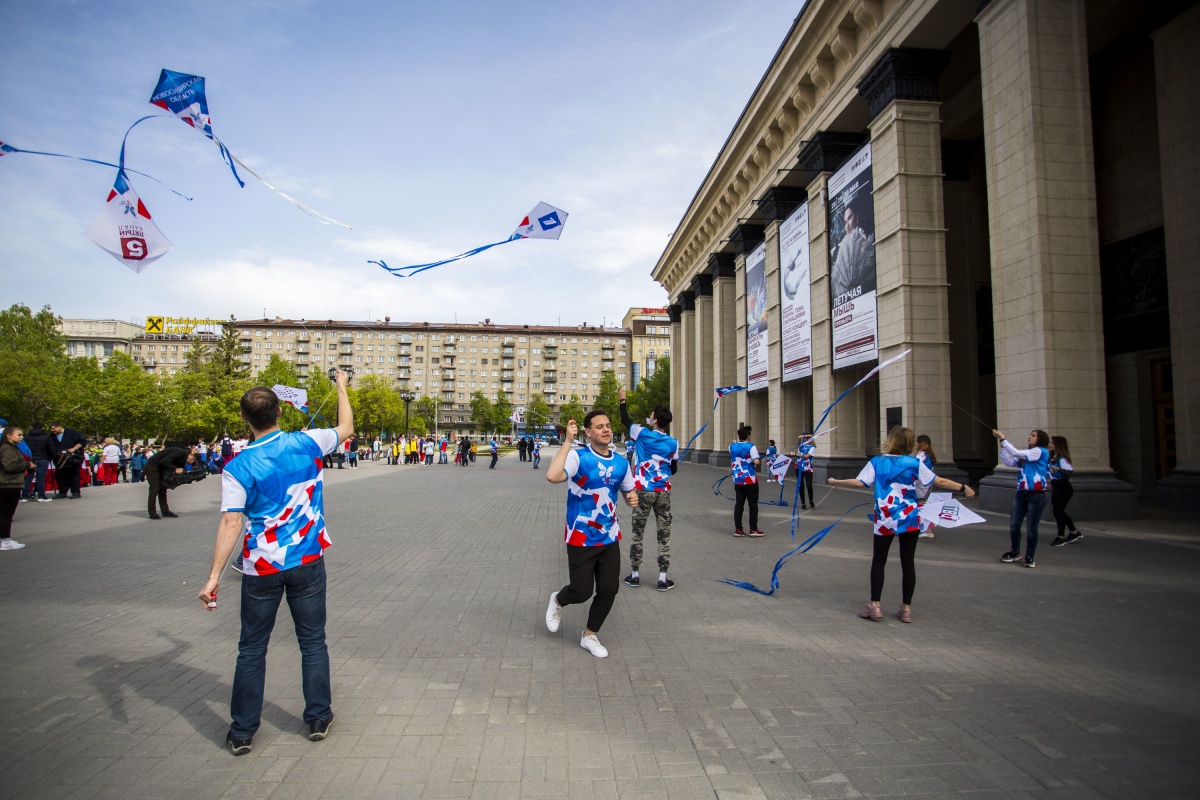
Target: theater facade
[(1008, 191)]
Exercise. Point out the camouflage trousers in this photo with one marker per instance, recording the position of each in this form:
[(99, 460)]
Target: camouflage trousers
[(660, 502)]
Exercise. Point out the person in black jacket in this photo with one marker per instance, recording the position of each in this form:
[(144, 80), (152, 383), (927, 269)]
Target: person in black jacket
[(164, 461), (42, 451), (68, 445)]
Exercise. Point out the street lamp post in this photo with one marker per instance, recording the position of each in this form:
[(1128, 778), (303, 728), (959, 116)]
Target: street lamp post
[(407, 397)]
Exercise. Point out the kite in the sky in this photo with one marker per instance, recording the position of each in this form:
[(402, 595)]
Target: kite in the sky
[(721, 392), (544, 222), (124, 229)]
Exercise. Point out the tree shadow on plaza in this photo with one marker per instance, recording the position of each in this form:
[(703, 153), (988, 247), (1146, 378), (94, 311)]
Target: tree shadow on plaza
[(167, 681)]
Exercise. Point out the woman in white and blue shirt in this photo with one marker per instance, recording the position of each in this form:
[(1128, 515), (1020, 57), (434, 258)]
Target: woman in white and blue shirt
[(1061, 491), (1029, 503)]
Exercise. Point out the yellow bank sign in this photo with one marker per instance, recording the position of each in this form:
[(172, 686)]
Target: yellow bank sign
[(185, 325)]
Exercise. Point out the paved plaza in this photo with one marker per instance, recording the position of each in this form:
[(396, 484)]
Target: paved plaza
[(1076, 679)]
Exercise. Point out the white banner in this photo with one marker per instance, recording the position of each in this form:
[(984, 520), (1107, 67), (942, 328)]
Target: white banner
[(756, 318), (795, 296), (852, 260)]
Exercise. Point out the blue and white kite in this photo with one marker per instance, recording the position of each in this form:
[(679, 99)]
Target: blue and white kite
[(721, 392), (543, 222)]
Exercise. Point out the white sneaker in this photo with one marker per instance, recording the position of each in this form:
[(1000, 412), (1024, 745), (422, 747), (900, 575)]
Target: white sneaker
[(553, 614), (593, 646), (24, 499), (10, 544), (45, 500), (926, 535)]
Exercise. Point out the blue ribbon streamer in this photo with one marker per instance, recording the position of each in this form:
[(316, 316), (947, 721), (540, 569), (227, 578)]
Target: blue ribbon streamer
[(409, 271), (803, 547), (8, 148), (687, 448), (226, 156), (716, 487)]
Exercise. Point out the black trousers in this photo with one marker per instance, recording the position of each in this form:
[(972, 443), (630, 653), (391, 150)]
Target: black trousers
[(1060, 494), (68, 478), (806, 483), (748, 491), (10, 498), (908, 553), (593, 569), (157, 491)]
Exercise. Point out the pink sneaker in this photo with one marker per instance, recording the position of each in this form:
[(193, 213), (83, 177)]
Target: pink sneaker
[(904, 615), (870, 611)]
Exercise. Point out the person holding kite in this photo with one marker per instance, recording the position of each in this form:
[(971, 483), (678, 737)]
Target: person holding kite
[(743, 462), (894, 475), (806, 448)]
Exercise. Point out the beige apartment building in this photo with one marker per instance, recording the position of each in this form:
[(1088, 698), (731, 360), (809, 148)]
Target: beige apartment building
[(166, 354), (450, 361), (650, 340), (98, 337), (1010, 190)]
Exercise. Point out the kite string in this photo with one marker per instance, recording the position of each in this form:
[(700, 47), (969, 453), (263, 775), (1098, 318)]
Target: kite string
[(10, 148), (924, 385)]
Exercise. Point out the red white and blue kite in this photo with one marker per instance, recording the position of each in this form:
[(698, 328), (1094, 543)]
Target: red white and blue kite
[(124, 229), (543, 222)]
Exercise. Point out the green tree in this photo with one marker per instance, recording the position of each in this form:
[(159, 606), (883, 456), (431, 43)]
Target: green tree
[(424, 408), (377, 406), (198, 356), (609, 401), (322, 399), (79, 403), (279, 371), (537, 414), (226, 356), (32, 363), (652, 391), (128, 397), (481, 412), (571, 410), (502, 411)]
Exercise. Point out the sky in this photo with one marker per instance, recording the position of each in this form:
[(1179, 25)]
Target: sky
[(430, 128)]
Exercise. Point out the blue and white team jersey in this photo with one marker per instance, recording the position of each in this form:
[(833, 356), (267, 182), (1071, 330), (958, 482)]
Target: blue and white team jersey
[(895, 480), (804, 460), (654, 451), (276, 482), (742, 456), (1060, 469), (592, 485), (629, 444), (923, 491), (492, 447), (1033, 466)]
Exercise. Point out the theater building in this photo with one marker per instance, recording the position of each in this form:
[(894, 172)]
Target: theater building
[(1008, 191)]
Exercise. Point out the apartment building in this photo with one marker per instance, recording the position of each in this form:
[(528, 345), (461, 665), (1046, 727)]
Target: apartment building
[(650, 340)]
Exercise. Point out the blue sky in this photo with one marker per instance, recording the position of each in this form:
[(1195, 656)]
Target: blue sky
[(430, 128)]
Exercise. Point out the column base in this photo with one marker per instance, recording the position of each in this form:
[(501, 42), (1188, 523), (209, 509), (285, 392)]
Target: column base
[(1099, 495), (1180, 491), (717, 458)]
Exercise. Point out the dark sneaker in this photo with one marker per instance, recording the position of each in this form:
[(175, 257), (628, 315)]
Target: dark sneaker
[(756, 533), (633, 580), (239, 747), (803, 507), (318, 729), (738, 532), (1059, 541), (169, 514), (155, 516), (666, 586), (1029, 563), (1074, 537), (1010, 557)]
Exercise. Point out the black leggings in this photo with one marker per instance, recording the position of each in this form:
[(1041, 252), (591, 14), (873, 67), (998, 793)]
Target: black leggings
[(10, 498), (806, 483), (908, 552), (1060, 495), (597, 568)]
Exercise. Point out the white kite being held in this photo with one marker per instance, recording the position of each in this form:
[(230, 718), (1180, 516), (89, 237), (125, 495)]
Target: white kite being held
[(779, 467), (287, 394), (943, 510), (124, 230)]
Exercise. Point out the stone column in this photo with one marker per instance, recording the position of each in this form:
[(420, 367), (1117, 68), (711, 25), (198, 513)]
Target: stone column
[(687, 365), (1177, 76), (722, 267), (1050, 370), (910, 244), (840, 454), (678, 396), (702, 370)]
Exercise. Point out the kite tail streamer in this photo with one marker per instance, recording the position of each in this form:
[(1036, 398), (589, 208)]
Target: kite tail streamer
[(687, 448), (861, 381), (231, 159), (409, 271), (803, 547), (8, 148)]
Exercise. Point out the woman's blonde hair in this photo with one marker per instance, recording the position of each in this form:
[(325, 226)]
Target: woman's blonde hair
[(900, 442), (109, 440)]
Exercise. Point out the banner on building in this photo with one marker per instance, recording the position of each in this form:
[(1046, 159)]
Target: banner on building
[(852, 262), (795, 296), (756, 318)]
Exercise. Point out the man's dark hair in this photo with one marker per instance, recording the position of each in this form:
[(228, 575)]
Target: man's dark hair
[(260, 407), (662, 415), (591, 415), (744, 433)]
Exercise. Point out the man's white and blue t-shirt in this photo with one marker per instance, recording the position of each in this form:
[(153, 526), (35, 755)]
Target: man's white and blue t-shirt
[(276, 482), (654, 452), (592, 485)]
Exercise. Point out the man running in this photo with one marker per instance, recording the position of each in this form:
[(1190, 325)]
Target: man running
[(656, 459), (596, 474)]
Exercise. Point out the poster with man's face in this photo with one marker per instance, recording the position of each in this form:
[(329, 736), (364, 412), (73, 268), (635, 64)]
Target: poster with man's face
[(852, 262)]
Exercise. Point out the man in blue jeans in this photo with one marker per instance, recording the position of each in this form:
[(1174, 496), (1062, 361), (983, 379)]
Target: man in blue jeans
[(276, 483)]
